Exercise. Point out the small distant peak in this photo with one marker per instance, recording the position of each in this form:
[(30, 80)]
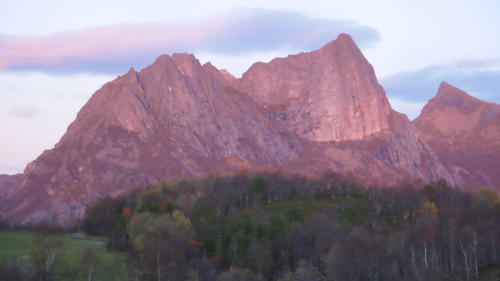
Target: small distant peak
[(183, 57), (162, 60), (344, 37), (209, 67), (449, 95), (346, 41), (208, 64), (343, 43), (177, 59), (185, 60), (446, 85), (446, 90), (131, 75)]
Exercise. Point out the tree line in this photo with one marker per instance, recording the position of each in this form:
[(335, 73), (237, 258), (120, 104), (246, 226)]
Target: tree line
[(271, 226)]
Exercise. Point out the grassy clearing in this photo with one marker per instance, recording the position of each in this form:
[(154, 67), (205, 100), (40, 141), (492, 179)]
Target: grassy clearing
[(74, 248), (19, 245), (15, 244)]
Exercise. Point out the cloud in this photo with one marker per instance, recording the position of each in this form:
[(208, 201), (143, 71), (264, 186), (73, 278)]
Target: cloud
[(24, 112), (478, 78), (263, 30), (113, 49)]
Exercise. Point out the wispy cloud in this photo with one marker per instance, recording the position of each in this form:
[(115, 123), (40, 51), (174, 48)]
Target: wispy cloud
[(478, 78), (113, 49), (24, 112)]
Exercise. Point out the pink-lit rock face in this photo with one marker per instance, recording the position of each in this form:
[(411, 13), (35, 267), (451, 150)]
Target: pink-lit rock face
[(174, 119), (330, 94), (306, 113), (465, 132)]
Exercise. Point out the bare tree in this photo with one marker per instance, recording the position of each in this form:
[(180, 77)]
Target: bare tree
[(49, 241)]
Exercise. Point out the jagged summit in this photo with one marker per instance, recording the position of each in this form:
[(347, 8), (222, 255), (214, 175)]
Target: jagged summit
[(450, 94), (448, 97), (343, 44), (446, 89), (342, 39), (161, 59), (346, 37), (335, 85)]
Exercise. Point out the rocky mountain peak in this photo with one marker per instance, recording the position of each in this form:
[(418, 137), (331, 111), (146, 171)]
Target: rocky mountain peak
[(161, 60), (344, 37), (330, 94), (452, 102), (183, 63), (446, 89), (450, 95), (187, 64), (343, 43), (465, 132)]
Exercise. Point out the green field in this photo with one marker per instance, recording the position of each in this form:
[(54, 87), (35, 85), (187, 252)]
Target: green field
[(15, 244), (19, 245)]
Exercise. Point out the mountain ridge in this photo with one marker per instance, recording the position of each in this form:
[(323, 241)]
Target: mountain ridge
[(307, 113)]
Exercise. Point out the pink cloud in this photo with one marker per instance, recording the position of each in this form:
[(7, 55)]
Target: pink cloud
[(113, 49), (24, 112), (66, 50)]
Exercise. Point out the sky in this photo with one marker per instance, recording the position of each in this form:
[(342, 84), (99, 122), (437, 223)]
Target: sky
[(55, 54)]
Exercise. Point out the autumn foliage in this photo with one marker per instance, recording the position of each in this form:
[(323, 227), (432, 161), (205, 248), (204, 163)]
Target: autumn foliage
[(278, 227)]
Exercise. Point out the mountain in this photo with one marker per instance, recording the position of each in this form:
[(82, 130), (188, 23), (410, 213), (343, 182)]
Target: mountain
[(6, 182), (465, 132), (176, 118)]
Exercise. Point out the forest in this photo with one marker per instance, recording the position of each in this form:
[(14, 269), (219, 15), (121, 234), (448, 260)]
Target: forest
[(271, 226)]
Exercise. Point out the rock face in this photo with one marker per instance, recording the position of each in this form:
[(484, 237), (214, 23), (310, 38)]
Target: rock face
[(328, 95), (306, 113), (465, 132), (174, 119)]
